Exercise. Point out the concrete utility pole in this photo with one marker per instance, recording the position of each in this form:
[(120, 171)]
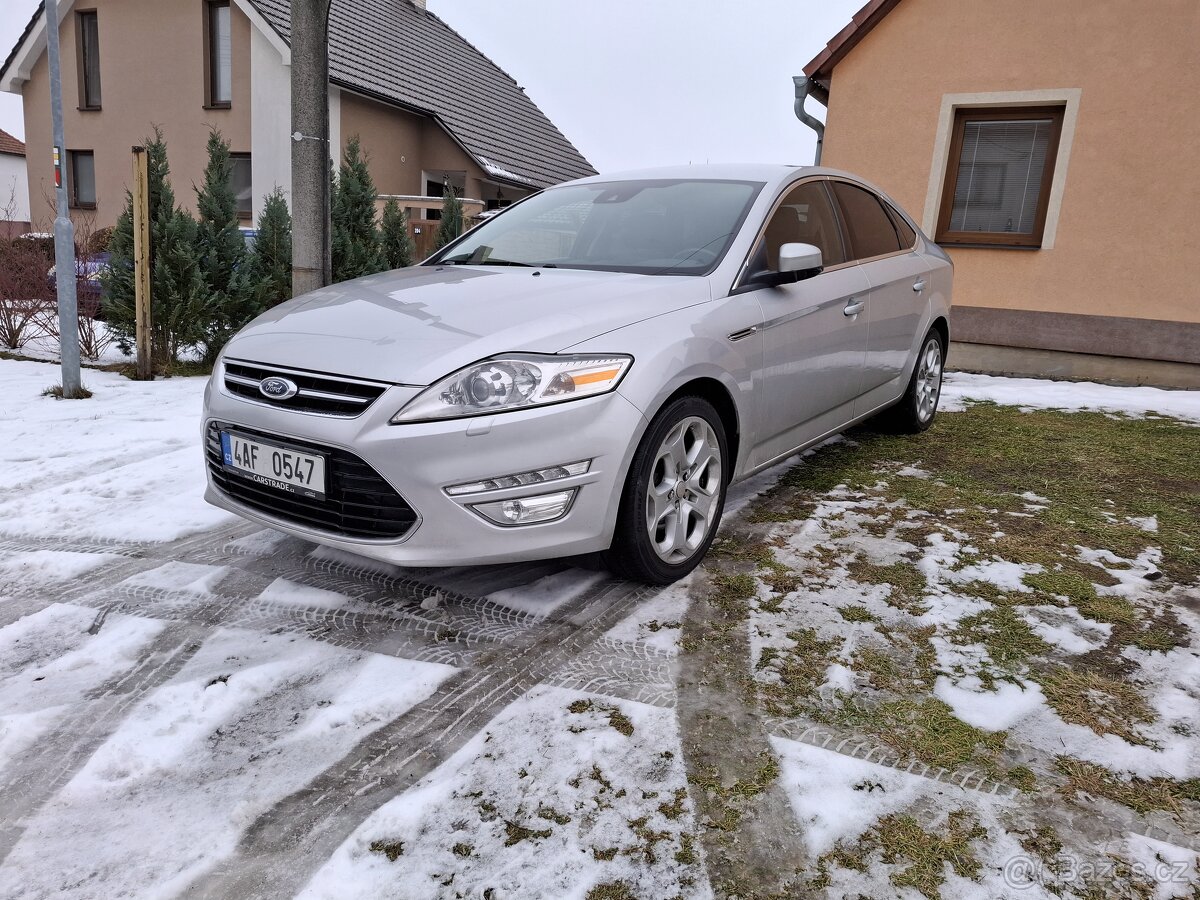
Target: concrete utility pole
[(64, 230), (310, 145)]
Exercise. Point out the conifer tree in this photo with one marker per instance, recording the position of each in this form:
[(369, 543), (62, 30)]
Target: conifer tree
[(179, 304), (356, 247), (397, 243), (452, 218), (222, 251), (271, 260)]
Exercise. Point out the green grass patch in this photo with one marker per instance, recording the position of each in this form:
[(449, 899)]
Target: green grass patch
[(56, 391), (616, 718), (983, 458), (1044, 843), (1105, 705), (1009, 640), (611, 890), (801, 669), (393, 850), (514, 833), (921, 854), (1023, 778), (907, 583), (924, 729), (1142, 795), (728, 795), (856, 613)]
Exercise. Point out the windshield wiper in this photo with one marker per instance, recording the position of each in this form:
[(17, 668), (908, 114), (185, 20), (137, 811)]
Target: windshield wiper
[(490, 261)]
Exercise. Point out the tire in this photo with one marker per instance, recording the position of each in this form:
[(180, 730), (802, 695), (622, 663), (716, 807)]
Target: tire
[(917, 408), (663, 532)]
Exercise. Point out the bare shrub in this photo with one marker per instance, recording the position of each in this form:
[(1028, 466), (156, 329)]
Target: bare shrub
[(23, 292)]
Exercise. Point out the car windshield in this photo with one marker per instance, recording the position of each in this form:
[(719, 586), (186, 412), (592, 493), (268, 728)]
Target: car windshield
[(654, 227)]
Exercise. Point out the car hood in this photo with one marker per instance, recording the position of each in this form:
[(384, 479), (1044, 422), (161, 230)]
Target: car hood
[(414, 326)]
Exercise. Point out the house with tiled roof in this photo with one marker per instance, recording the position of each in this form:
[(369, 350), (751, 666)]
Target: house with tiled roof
[(14, 186), (1050, 148), (428, 107)]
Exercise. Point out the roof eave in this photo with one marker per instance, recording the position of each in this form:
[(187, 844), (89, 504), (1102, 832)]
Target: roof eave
[(18, 66), (820, 68)]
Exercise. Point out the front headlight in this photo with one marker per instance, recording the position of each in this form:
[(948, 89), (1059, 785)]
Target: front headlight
[(515, 382)]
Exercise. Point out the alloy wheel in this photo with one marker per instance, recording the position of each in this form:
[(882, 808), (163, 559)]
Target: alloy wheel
[(929, 379), (684, 489)]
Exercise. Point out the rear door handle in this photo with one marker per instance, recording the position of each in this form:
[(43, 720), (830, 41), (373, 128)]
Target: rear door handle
[(854, 307), (919, 285)]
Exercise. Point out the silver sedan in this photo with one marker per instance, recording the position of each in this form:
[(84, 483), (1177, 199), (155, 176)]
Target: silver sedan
[(585, 373)]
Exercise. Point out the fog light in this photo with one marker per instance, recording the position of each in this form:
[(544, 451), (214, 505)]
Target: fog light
[(527, 510), (537, 476)]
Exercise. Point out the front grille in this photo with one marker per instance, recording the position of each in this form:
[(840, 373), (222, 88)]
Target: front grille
[(330, 395), (358, 502)]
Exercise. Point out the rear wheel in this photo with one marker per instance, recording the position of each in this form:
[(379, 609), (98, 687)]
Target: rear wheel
[(916, 409), (674, 495)]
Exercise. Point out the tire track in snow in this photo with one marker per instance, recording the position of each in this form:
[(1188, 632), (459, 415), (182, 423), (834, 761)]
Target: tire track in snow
[(285, 846), (505, 653), (34, 777)]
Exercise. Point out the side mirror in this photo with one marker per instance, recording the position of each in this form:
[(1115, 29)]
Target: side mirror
[(796, 262), (800, 258)]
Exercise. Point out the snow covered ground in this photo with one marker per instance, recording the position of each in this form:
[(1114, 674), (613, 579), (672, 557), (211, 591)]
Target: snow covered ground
[(189, 703)]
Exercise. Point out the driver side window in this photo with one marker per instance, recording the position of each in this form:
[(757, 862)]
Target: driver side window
[(805, 217)]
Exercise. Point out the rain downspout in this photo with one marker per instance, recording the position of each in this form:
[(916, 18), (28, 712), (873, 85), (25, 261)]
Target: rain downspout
[(804, 86)]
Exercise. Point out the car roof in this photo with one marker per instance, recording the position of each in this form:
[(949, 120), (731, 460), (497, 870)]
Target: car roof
[(710, 172), (770, 174)]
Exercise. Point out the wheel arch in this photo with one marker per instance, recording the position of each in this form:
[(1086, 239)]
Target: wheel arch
[(942, 327), (716, 393)]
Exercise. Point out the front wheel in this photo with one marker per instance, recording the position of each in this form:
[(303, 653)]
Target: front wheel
[(674, 495)]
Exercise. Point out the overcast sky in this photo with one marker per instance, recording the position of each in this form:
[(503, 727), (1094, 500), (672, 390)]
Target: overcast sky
[(632, 82)]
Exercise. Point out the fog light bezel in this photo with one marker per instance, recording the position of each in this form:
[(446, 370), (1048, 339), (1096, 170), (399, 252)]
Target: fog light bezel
[(471, 488), (498, 506)]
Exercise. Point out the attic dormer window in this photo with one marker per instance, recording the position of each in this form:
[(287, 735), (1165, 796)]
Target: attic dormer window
[(218, 54)]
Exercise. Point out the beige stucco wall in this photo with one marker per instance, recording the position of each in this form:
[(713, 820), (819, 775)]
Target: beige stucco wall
[(391, 139), (148, 76), (1127, 242), (400, 146)]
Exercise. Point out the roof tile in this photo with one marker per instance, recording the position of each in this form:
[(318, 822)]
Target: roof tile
[(9, 144), (392, 50)]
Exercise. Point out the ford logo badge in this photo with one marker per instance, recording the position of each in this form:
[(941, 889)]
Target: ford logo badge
[(276, 388)]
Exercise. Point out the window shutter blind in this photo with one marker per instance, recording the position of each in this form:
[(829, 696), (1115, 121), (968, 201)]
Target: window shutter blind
[(90, 34), (222, 55), (1000, 175)]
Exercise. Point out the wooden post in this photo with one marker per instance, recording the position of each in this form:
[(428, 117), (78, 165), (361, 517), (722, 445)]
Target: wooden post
[(141, 260)]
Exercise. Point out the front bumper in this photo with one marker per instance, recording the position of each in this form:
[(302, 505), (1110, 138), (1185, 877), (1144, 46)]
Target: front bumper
[(420, 460)]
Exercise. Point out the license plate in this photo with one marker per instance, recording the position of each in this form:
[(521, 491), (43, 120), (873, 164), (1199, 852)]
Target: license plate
[(275, 466)]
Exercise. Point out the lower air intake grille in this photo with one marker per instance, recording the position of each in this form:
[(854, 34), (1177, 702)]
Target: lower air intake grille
[(358, 502)]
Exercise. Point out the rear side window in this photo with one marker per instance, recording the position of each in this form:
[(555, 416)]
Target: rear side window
[(908, 237), (804, 217), (869, 228)]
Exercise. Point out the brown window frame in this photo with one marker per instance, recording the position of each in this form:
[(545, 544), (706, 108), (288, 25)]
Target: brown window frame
[(248, 214), (962, 116), (81, 67), (209, 71), (73, 198)]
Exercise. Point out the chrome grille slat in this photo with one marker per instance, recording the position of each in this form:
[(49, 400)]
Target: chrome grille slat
[(320, 393)]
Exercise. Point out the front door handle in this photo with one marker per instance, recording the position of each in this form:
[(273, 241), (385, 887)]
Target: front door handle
[(919, 285), (854, 307)]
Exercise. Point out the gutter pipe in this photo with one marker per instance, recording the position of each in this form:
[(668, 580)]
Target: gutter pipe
[(804, 86)]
